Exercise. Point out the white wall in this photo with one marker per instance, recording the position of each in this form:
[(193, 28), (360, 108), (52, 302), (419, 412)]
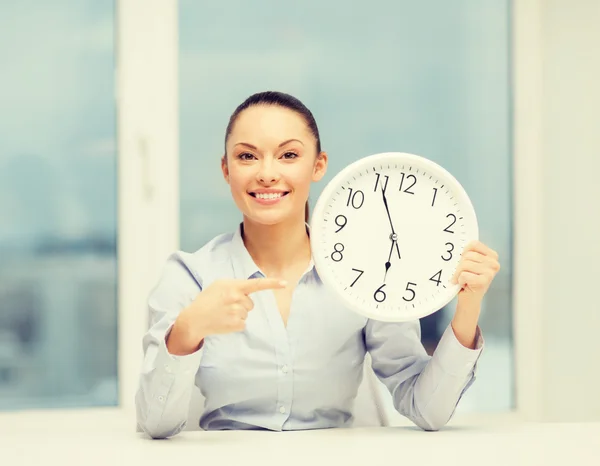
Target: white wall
[(557, 208)]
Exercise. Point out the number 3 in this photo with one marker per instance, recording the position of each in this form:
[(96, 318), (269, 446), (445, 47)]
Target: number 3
[(449, 251)]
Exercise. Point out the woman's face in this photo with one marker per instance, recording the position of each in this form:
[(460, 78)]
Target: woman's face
[(270, 163)]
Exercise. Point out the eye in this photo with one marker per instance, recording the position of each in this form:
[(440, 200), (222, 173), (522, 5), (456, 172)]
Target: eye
[(289, 155), (246, 156)]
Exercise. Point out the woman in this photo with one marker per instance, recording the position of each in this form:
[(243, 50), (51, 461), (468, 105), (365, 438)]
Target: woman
[(247, 319)]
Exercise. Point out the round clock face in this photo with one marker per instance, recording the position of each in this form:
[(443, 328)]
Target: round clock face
[(387, 233)]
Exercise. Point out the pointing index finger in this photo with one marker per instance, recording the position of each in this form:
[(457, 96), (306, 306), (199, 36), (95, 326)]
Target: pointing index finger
[(258, 284)]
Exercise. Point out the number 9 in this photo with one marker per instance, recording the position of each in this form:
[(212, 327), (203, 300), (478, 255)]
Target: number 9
[(340, 225)]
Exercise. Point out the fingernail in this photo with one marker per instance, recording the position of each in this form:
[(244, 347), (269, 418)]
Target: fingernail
[(283, 282)]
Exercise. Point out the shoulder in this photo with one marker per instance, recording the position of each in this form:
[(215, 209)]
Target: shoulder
[(184, 274), (213, 256)]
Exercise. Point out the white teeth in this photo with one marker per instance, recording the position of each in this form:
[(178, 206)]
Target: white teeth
[(269, 195)]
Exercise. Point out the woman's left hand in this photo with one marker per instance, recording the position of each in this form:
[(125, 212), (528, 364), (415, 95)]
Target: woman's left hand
[(476, 270)]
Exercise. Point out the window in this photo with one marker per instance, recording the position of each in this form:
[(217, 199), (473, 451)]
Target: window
[(431, 78), (58, 280)]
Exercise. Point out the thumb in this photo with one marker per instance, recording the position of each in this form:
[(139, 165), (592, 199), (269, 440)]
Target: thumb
[(465, 279)]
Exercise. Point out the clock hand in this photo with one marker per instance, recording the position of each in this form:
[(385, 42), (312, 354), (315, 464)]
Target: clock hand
[(387, 267), (387, 211), (397, 249), (388, 264), (394, 236)]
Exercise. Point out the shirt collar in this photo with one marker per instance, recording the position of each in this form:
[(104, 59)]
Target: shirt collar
[(243, 264)]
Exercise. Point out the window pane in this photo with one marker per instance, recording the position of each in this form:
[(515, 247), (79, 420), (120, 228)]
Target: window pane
[(58, 316), (428, 77)]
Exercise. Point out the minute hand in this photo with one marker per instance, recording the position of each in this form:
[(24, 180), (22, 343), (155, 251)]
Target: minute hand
[(388, 211), (393, 236)]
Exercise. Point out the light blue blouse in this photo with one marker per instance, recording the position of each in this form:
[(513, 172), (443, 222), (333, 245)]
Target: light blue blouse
[(301, 376)]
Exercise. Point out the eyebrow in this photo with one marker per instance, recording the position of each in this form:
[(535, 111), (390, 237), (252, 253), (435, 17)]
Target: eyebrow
[(280, 145)]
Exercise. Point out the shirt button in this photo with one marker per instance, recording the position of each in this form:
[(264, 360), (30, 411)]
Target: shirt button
[(282, 409), (284, 369), (161, 398)]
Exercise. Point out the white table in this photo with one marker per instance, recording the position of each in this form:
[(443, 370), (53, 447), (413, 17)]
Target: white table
[(107, 437)]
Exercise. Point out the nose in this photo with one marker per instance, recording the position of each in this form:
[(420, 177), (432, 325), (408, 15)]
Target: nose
[(267, 171)]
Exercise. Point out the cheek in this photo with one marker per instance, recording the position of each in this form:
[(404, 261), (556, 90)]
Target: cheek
[(238, 179), (300, 177)]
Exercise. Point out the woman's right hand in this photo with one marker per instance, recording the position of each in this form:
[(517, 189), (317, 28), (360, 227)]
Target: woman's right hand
[(222, 307)]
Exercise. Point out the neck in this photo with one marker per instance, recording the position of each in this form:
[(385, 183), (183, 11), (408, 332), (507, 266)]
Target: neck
[(277, 248)]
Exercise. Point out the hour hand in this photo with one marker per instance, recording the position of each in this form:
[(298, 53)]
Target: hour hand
[(388, 264)]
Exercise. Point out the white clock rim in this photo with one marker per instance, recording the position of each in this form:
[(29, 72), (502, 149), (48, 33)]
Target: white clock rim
[(317, 224)]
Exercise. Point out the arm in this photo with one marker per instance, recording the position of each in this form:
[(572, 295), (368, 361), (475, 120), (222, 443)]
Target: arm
[(167, 376), (464, 322), (424, 389), (427, 390)]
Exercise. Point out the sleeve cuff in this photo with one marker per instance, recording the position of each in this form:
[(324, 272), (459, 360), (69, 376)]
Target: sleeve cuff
[(175, 364), (453, 357)]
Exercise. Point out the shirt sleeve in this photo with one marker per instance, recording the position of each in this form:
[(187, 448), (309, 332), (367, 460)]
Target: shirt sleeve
[(166, 381), (425, 389)]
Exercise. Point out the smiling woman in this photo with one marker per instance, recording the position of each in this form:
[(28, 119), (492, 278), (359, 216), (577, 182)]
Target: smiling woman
[(248, 319), (272, 139)]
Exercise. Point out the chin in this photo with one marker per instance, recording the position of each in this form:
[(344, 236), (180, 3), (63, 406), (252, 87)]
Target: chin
[(271, 216), (264, 218)]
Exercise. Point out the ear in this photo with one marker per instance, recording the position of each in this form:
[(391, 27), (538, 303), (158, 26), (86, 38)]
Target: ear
[(225, 168), (320, 167)]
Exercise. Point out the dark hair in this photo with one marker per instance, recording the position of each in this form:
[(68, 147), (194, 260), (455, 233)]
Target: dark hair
[(281, 100)]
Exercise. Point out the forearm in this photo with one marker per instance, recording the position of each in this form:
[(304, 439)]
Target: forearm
[(424, 389), (183, 338), (165, 387), (162, 412), (465, 321), (430, 398)]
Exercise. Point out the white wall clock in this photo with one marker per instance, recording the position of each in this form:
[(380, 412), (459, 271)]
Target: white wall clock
[(387, 233)]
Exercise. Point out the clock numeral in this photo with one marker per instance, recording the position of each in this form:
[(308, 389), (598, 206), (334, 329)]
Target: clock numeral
[(414, 181), (434, 194), (453, 222), (359, 275), (384, 183), (408, 288), (338, 252), (356, 198), (449, 251), (340, 225), (437, 278), (379, 294)]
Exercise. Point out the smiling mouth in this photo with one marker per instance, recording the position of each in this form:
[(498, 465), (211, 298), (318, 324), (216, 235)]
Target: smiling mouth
[(268, 196)]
